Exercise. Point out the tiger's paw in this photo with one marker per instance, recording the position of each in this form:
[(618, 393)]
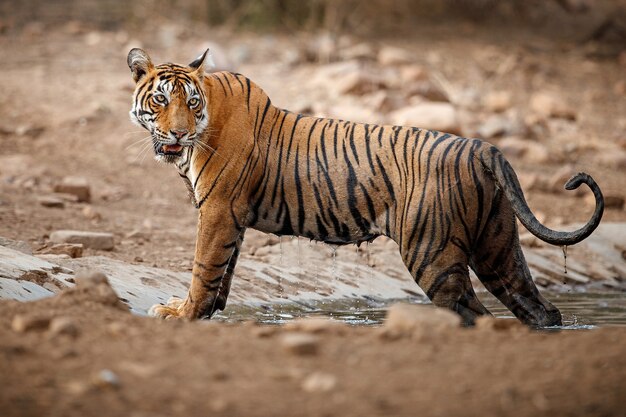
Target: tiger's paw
[(172, 310)]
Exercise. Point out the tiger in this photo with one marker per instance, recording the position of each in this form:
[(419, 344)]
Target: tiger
[(449, 202)]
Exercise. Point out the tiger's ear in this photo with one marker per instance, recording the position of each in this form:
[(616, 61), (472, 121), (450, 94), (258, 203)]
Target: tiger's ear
[(139, 63), (202, 63)]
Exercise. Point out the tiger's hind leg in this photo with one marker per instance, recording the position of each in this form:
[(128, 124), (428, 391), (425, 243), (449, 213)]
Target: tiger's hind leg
[(499, 263), (444, 277)]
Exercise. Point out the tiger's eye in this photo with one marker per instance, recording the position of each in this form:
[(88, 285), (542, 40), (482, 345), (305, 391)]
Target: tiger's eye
[(193, 102), (159, 99)]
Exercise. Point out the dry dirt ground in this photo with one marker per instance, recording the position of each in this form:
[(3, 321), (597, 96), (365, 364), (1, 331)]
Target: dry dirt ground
[(64, 98), (95, 359)]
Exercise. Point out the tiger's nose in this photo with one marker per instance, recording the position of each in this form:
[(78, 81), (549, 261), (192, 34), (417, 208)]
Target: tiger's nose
[(179, 133)]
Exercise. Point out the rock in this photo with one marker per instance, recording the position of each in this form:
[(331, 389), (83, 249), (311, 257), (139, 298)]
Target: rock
[(494, 126), (314, 325), (91, 240), (138, 234), (361, 51), (435, 116), (50, 257), (520, 148), (549, 105), (556, 183), (26, 323), (353, 113), (358, 83), (412, 319), (319, 382), (70, 198), (412, 73), (391, 55), (91, 278), (96, 287), (106, 378), (73, 250), (497, 101), (63, 326), (91, 214), (490, 323), (428, 90), (300, 343), (52, 202), (17, 245), (611, 201), (615, 160), (529, 240), (77, 186)]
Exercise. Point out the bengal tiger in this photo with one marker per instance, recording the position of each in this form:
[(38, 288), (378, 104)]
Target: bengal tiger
[(448, 201)]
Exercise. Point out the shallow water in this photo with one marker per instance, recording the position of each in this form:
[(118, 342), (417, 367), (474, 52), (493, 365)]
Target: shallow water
[(579, 310)]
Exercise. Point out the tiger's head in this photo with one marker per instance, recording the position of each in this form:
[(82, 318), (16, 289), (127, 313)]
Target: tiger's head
[(170, 102)]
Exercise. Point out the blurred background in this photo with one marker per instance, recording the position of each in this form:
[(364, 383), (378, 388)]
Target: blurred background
[(543, 80)]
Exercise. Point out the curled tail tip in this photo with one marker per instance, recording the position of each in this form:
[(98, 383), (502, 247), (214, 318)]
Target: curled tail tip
[(577, 180)]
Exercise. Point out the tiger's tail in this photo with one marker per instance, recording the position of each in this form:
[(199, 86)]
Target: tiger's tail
[(495, 163)]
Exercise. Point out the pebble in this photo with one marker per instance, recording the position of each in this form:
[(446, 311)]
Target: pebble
[(106, 378), (25, 323), (411, 319), (91, 240), (73, 250), (494, 126), (491, 323), (497, 101), (51, 202), (90, 213), (77, 186), (550, 105), (319, 382), (522, 148), (436, 116), (300, 343), (391, 55), (357, 83), (314, 325), (63, 326)]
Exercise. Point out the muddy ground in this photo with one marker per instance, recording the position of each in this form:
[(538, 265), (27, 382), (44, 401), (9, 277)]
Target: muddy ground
[(65, 94)]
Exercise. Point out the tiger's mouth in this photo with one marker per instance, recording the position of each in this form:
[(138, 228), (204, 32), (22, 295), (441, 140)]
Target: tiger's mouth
[(175, 149)]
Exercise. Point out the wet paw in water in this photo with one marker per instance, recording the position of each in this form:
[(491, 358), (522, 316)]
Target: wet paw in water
[(171, 310)]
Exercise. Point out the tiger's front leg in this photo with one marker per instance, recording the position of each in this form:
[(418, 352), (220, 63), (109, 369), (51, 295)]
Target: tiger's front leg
[(217, 244)]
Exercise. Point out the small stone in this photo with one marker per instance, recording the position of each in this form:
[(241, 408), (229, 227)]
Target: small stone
[(429, 90), (550, 105), (51, 257), (436, 116), (408, 319), (319, 382), (361, 51), (138, 259), (90, 279), (521, 148), (314, 325), (73, 250), (300, 343), (615, 160), (51, 202), (611, 201), (491, 323), (531, 241), (63, 326), (391, 55), (106, 378), (138, 234), (26, 323), (91, 214), (494, 126), (497, 101), (358, 83), (91, 240), (77, 186)]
